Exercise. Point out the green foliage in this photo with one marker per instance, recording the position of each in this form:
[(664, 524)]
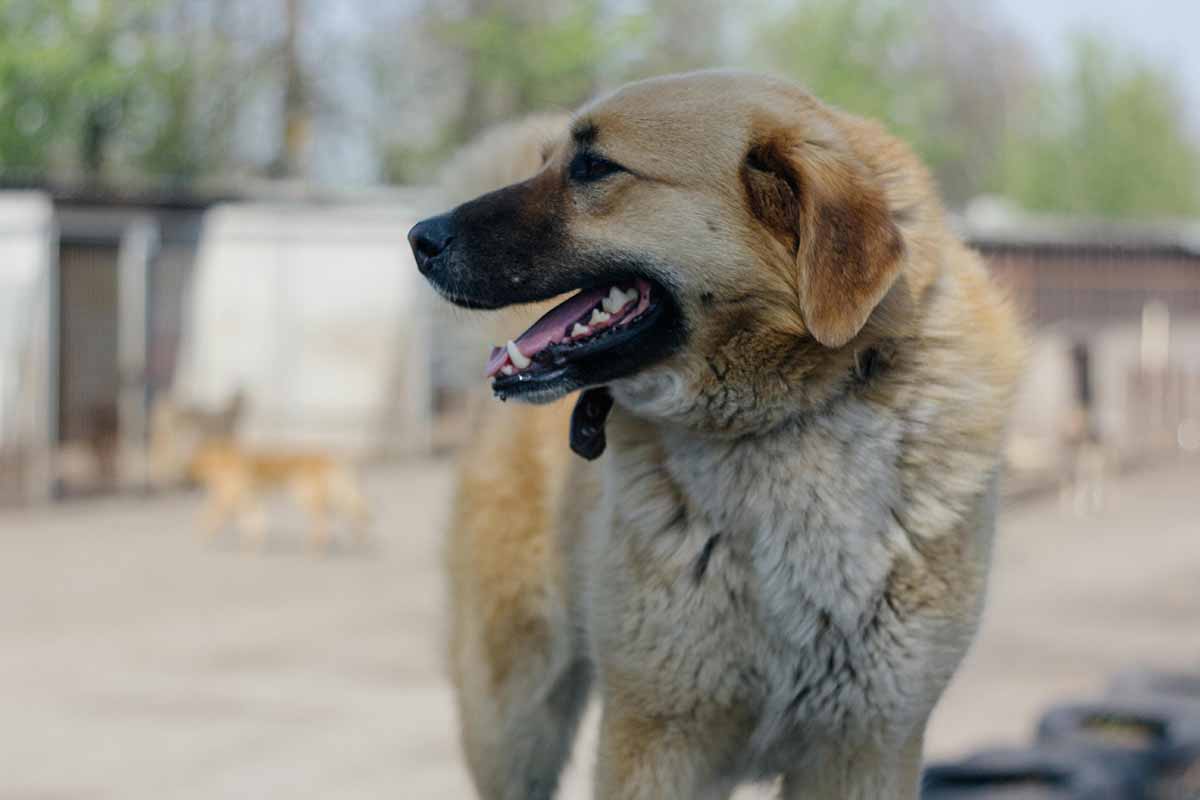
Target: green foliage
[(677, 36), (408, 163), (62, 78), (863, 56), (533, 61), (189, 111), (95, 87), (130, 88), (1106, 139), (517, 58)]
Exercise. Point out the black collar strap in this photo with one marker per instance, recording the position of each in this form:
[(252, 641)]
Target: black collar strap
[(587, 422)]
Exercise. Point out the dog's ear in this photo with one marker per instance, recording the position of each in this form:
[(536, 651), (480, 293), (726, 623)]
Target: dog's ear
[(835, 218)]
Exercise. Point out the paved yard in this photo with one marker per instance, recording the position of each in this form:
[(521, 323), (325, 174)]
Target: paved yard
[(138, 663)]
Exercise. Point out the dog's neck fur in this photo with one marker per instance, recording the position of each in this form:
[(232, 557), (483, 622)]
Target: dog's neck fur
[(843, 427), (797, 529), (830, 537), (810, 530)]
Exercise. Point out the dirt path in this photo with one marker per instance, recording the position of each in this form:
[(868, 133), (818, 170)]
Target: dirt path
[(138, 663)]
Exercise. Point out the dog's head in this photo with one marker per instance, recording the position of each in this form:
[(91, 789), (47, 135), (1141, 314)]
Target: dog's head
[(728, 238), (178, 432)]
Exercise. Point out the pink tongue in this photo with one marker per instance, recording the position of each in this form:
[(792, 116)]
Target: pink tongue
[(549, 329)]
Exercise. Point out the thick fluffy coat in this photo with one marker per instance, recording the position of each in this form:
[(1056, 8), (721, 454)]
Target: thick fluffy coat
[(781, 559)]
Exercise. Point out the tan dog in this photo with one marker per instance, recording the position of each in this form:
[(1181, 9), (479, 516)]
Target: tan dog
[(178, 430), (780, 560), (238, 479)]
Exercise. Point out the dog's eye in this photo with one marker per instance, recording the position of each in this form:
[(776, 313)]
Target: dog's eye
[(588, 167)]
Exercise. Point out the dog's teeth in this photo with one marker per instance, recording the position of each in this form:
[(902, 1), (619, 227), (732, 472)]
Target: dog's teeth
[(599, 317), (507, 370), (631, 295), (580, 330), (615, 301), (518, 358)]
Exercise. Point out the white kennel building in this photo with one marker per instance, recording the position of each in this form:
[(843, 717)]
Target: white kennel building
[(311, 311), (28, 241)]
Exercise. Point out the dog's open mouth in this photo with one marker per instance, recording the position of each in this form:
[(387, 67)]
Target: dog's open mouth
[(590, 334), (578, 324)]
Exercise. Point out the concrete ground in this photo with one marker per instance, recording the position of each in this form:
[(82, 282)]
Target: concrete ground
[(137, 662)]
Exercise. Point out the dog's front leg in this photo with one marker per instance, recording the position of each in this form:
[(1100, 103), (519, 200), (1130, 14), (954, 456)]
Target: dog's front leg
[(860, 773), (217, 512), (252, 519), (644, 758)]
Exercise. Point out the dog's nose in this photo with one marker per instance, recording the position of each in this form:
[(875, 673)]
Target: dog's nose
[(429, 238)]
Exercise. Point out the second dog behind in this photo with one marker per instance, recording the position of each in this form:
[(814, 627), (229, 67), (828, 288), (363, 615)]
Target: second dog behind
[(239, 479)]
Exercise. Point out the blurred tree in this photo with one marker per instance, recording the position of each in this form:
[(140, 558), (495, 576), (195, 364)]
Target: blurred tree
[(119, 88), (195, 84), (528, 55), (511, 57), (297, 97), (63, 68), (941, 74), (680, 35), (1108, 138), (986, 76), (188, 89), (861, 55)]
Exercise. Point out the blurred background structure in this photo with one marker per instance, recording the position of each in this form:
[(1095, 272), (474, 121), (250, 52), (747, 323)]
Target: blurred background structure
[(206, 200), (148, 128)]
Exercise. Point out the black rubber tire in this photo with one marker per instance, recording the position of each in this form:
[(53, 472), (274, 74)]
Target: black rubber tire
[(1015, 774), (1165, 748)]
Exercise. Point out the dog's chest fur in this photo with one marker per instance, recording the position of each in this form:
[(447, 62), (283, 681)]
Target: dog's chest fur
[(753, 575)]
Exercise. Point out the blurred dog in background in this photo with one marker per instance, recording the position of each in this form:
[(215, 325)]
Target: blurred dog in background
[(200, 445)]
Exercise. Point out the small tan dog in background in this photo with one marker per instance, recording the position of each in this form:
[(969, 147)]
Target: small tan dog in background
[(202, 446)]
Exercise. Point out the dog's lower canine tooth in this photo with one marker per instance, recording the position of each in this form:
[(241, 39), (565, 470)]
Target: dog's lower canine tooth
[(518, 358), (507, 370)]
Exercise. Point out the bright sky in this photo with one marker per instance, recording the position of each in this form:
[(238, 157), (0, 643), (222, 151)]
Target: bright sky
[(1168, 31)]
